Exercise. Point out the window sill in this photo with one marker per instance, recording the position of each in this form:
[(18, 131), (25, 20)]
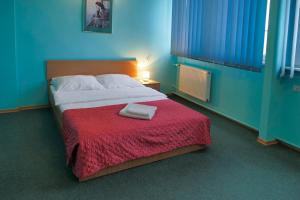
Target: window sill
[(241, 67), (288, 71)]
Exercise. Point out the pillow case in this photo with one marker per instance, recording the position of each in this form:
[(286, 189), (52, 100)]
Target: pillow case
[(76, 83), (114, 81)]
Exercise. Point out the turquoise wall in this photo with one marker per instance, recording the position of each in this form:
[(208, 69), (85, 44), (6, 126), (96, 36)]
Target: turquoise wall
[(262, 101), (235, 93), (48, 30), (8, 86), (281, 105), (285, 115), (34, 31)]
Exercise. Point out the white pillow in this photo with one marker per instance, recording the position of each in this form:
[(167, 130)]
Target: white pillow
[(113, 81), (76, 83)]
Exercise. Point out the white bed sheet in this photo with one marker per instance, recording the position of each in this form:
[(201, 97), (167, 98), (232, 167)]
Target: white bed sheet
[(109, 97)]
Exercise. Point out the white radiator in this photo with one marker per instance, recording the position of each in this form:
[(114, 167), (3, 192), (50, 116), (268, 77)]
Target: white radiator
[(195, 82)]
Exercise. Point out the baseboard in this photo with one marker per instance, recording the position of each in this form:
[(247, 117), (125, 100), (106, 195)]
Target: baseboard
[(267, 143), (19, 109), (293, 147), (216, 112), (274, 142)]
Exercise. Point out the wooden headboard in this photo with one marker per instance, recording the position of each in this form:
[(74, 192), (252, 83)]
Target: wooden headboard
[(57, 68)]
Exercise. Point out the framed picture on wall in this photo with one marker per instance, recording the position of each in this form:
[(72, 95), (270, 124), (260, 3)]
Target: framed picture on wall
[(98, 16)]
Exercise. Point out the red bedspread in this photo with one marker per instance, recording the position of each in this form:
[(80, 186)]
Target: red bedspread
[(97, 138)]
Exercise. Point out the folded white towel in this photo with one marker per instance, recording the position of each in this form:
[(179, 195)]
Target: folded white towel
[(138, 111)]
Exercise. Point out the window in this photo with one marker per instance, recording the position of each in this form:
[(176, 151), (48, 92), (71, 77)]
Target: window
[(229, 32), (291, 40)]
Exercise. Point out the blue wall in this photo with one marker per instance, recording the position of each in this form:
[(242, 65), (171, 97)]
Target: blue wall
[(8, 86), (285, 115), (235, 93), (280, 106), (263, 101), (48, 30), (34, 31)]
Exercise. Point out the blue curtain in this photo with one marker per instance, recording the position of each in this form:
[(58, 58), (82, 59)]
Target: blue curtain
[(229, 32)]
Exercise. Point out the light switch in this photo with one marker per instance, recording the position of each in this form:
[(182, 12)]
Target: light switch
[(296, 88)]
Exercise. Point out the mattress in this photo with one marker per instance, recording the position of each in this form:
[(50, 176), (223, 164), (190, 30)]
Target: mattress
[(144, 94)]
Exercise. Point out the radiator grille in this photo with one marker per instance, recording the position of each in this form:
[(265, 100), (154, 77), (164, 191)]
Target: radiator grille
[(195, 82)]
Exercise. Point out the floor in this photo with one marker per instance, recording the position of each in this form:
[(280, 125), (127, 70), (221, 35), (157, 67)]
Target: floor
[(235, 166)]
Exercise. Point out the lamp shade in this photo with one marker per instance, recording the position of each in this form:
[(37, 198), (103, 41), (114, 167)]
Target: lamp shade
[(146, 75)]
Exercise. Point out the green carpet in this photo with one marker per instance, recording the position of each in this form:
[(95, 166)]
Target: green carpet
[(32, 166)]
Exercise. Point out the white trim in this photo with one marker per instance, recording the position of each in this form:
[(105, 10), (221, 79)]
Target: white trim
[(295, 38), (292, 68), (266, 32), (286, 33), (296, 69)]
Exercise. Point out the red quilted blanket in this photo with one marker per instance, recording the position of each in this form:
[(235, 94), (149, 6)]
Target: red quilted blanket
[(97, 138)]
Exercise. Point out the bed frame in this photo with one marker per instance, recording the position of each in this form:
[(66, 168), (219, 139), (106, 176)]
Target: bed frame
[(97, 67)]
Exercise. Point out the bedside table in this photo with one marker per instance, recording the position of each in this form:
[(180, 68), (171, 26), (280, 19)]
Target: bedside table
[(152, 84)]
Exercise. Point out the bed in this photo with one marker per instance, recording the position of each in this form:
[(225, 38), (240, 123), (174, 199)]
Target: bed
[(100, 142)]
